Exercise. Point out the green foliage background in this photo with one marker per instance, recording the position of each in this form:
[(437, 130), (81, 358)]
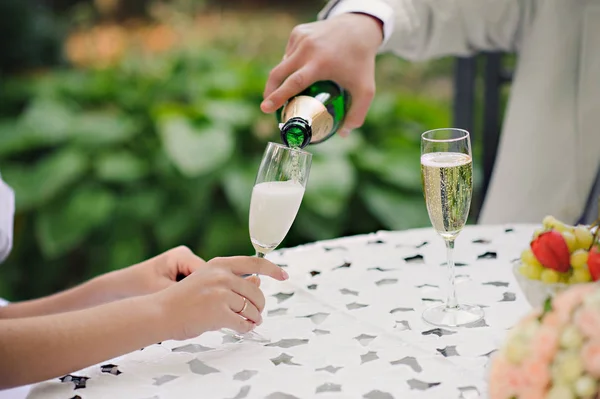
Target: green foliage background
[(112, 166)]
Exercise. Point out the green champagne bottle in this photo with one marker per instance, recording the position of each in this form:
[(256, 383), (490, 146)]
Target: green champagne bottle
[(314, 115)]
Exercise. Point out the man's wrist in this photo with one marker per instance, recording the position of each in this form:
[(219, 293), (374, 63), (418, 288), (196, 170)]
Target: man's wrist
[(379, 10)]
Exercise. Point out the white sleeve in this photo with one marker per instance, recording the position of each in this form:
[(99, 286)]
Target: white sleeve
[(7, 214), (425, 29), (379, 9)]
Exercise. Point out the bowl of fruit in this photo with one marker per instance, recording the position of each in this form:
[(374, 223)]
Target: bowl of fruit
[(559, 255)]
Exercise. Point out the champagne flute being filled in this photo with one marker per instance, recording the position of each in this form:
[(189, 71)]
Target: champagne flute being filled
[(276, 198)]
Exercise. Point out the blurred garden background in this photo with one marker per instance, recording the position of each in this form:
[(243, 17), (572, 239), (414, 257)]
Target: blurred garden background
[(130, 127)]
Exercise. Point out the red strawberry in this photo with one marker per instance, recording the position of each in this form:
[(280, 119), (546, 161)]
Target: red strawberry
[(594, 262), (551, 249)]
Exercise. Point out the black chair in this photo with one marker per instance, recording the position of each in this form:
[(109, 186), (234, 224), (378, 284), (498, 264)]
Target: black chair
[(495, 76)]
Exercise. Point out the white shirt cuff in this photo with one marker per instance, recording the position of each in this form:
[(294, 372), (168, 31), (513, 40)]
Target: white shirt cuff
[(376, 8)]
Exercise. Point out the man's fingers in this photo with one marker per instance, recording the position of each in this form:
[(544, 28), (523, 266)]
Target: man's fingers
[(361, 101), (279, 74), (242, 265), (293, 84)]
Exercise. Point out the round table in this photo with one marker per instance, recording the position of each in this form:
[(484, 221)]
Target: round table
[(347, 324)]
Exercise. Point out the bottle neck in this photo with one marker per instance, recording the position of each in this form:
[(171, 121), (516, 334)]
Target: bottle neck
[(296, 133)]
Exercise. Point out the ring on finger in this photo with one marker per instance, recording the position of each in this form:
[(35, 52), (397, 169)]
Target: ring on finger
[(243, 307)]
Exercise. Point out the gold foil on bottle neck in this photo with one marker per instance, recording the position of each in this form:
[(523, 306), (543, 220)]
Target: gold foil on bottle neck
[(314, 112)]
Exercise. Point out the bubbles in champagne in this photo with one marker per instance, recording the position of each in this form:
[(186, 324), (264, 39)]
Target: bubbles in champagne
[(295, 166), (448, 183)]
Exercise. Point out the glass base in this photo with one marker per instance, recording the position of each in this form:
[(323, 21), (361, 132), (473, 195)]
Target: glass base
[(249, 336), (460, 316)]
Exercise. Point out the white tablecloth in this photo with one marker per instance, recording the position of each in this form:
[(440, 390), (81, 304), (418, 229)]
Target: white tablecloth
[(346, 325)]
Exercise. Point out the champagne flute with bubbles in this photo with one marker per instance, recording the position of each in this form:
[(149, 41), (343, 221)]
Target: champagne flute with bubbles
[(447, 177), (276, 198)]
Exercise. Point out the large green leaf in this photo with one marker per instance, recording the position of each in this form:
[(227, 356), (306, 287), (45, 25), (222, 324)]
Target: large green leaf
[(187, 213), (395, 210), (236, 113), (102, 128), (47, 121), (64, 225), (225, 236), (144, 204), (38, 184), (314, 227), (330, 184), (398, 166), (195, 151), (120, 166)]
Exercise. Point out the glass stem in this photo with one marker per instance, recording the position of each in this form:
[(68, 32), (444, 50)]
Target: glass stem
[(451, 302)]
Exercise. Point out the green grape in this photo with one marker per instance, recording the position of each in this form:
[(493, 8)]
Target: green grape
[(529, 258), (549, 221), (549, 276), (582, 275), (560, 392), (516, 350), (571, 338), (584, 237), (585, 386), (534, 272), (537, 232), (570, 367), (579, 259), (570, 240)]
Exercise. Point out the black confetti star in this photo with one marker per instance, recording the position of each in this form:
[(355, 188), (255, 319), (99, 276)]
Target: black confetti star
[(375, 242), (438, 331), (327, 249), (415, 259), (379, 269), (282, 296), (110, 369), (79, 381), (496, 283), (312, 286), (448, 351), (488, 255), (421, 385), (284, 358), (314, 273), (344, 266), (457, 264), (508, 297), (509, 230), (346, 291), (410, 362), (481, 241)]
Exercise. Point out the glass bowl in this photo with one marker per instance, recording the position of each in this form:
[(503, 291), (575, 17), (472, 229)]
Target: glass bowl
[(537, 291)]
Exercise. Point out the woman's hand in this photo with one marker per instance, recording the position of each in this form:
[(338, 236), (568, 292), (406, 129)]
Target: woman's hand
[(154, 274), (215, 296)]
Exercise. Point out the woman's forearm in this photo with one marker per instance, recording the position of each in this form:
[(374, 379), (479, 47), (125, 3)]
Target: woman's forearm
[(35, 349), (88, 294)]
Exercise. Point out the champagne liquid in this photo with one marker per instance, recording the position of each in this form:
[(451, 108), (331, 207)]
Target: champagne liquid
[(295, 166), (447, 179), (273, 208)]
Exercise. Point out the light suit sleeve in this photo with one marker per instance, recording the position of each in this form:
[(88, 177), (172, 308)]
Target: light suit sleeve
[(7, 214), (419, 30)]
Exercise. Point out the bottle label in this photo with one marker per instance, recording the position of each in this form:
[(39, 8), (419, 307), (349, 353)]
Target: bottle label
[(313, 111)]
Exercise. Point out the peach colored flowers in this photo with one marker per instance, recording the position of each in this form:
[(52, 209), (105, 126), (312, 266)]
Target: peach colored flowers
[(557, 355)]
